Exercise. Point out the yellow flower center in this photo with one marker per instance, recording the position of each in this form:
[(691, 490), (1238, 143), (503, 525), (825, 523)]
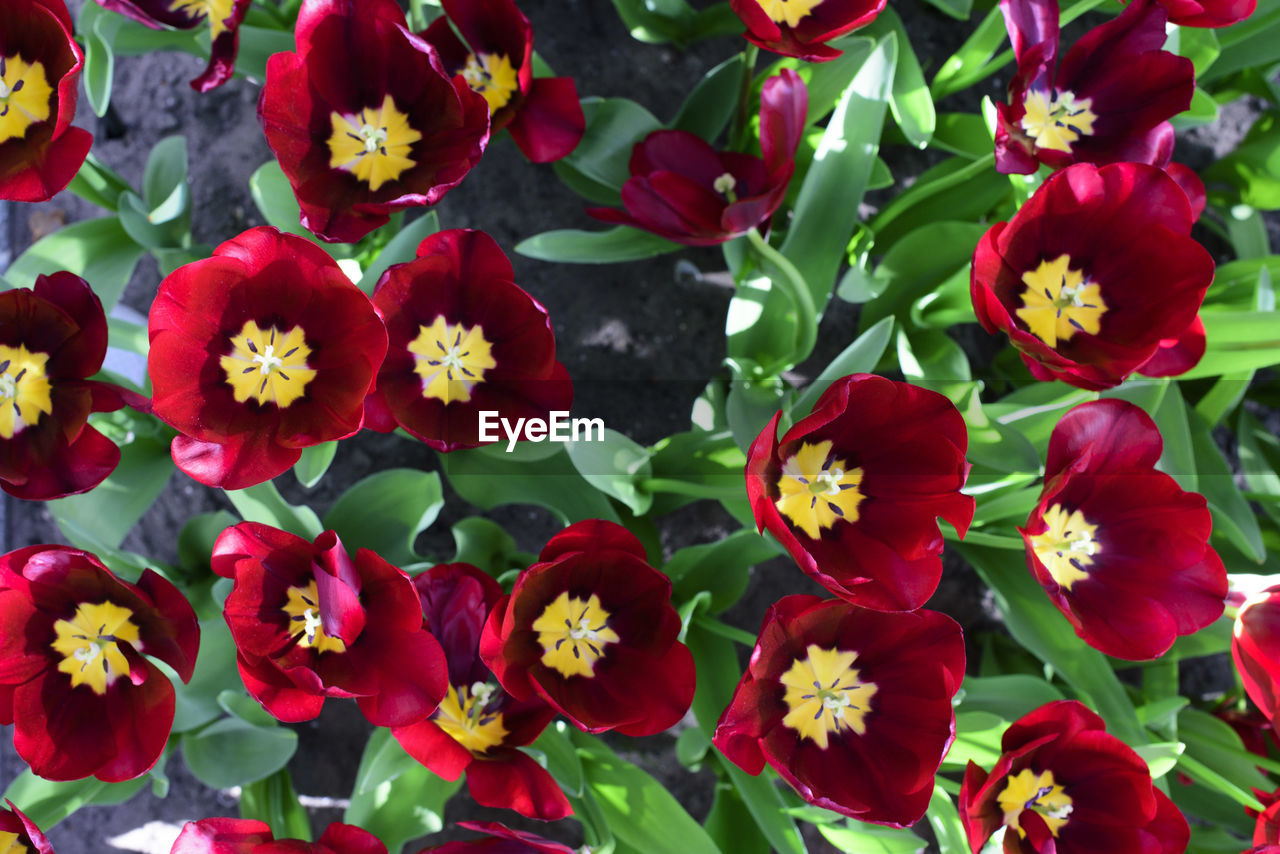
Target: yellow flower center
[(823, 695), (816, 489), (1067, 547), (451, 359), (788, 12), (89, 644), (491, 75), (268, 365), (24, 96), (303, 610), (462, 715), (11, 843), (217, 11), (1059, 302), (24, 389), (1027, 790), (573, 634), (1058, 122), (374, 145)]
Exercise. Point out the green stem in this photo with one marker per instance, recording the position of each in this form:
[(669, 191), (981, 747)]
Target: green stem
[(715, 627), (697, 490), (128, 336), (1207, 776), (742, 115), (978, 538), (789, 279)]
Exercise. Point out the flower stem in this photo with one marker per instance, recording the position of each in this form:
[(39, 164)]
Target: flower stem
[(742, 113), (785, 276), (715, 627)]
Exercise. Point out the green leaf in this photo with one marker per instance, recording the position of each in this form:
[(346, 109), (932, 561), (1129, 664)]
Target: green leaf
[(572, 246), (1253, 169), (613, 465), (97, 250), (722, 568), (483, 544), (1195, 43), (1232, 515), (1160, 757), (919, 264), (767, 809), (166, 172), (957, 190), (910, 102), (263, 503), (859, 837), (977, 739), (215, 672), (98, 183), (562, 758), (314, 462), (1203, 111), (860, 357), (46, 802), (99, 30), (275, 199), (614, 126), (1009, 697), (1214, 744), (402, 249), (273, 800), (966, 64), (730, 826), (1178, 460), (238, 704), (657, 21), (488, 481), (398, 810), (386, 511), (382, 761), (710, 105), (257, 45), (946, 825), (232, 752), (1238, 341)]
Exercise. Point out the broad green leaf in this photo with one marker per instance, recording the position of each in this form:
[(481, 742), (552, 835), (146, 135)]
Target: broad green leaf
[(965, 66), (1232, 515), (383, 760), (484, 544), (721, 568), (1214, 744), (860, 357), (46, 802), (977, 739), (767, 809), (273, 800), (730, 826), (97, 250), (562, 758), (99, 30), (956, 190), (399, 810), (910, 102), (487, 482), (1161, 757), (613, 465), (1238, 341), (657, 21), (1009, 697), (402, 249), (710, 105), (1203, 111), (275, 199), (257, 45), (314, 462), (263, 503), (919, 264), (614, 126), (1251, 43), (215, 672), (1253, 169), (233, 752), (166, 172), (572, 246), (98, 183), (1178, 459), (856, 837), (716, 661), (946, 825), (1195, 43), (386, 511)]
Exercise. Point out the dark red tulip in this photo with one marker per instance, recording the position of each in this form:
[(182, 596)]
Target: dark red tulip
[(853, 491), (222, 17), (1208, 13), (19, 834), (311, 622), (1109, 101), (40, 62), (464, 339), (499, 840), (1255, 646), (590, 629), (851, 706), (684, 190), (74, 681), (248, 836), (1063, 785), (802, 28), (364, 119), (1094, 275)]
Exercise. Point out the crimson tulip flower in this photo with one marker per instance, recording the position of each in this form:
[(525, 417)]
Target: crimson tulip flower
[(1255, 647), (802, 28), (74, 681), (364, 120), (1094, 275), (52, 339), (249, 836), (495, 58), (684, 190), (590, 629), (1064, 785), (852, 707), (19, 834), (1110, 100), (853, 490), (1121, 549), (40, 62), (1266, 833), (222, 17), (464, 339), (1208, 13), (310, 622), (258, 352), (499, 840), (479, 725)]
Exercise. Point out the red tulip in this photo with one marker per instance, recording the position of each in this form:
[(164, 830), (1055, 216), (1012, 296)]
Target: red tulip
[(73, 677), (479, 725), (223, 17), (499, 840), (247, 836), (1063, 785), (1094, 275), (1121, 549), (851, 706), (1208, 13), (853, 491), (590, 629), (40, 62), (364, 120), (464, 339), (1255, 646), (19, 834), (802, 28), (542, 113), (258, 352), (311, 622), (684, 190), (52, 339)]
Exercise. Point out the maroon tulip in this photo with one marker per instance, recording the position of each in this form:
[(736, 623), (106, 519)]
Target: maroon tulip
[(311, 622), (40, 62), (1255, 646), (1121, 549), (73, 677), (853, 491), (590, 629), (496, 60), (364, 120), (499, 840), (258, 352), (19, 834), (464, 339), (52, 339), (851, 706), (223, 17), (247, 836), (1094, 275), (1063, 785), (1110, 101), (684, 190), (802, 28), (1266, 832), (479, 725), (1208, 13)]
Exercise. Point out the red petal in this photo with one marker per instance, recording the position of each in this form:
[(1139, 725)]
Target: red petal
[(512, 780), (550, 123)]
